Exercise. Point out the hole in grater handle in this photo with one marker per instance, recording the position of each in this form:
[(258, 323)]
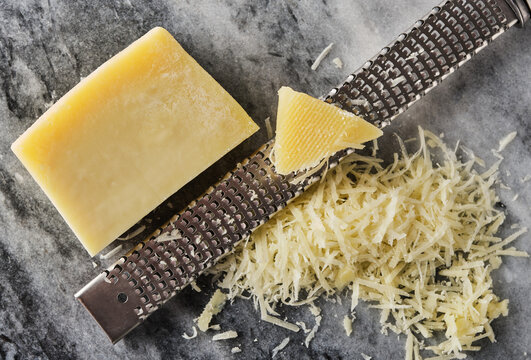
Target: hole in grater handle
[(122, 298), (156, 269)]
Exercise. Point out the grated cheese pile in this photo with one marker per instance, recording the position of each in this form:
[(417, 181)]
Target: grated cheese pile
[(416, 240)]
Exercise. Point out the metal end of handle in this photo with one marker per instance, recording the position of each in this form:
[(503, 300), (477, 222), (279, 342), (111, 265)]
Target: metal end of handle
[(111, 305)]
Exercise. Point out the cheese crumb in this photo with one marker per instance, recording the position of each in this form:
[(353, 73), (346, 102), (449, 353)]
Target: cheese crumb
[(194, 286), (279, 347), (235, 350), (278, 322), (506, 140), (397, 81), (413, 55), (231, 334), (314, 310), (19, 177), (359, 102), (169, 236), (347, 325), (188, 337), (268, 127), (311, 335), (133, 233), (321, 56), (214, 306), (302, 325), (504, 187), (409, 346), (338, 63), (375, 147), (111, 253), (365, 356)]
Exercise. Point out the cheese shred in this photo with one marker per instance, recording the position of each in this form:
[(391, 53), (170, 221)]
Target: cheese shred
[(279, 347), (347, 325), (214, 306), (312, 333), (231, 334), (189, 337), (269, 128), (416, 240), (321, 56), (506, 140), (111, 253)]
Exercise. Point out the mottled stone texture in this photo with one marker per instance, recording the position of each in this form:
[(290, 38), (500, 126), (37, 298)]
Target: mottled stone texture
[(252, 48)]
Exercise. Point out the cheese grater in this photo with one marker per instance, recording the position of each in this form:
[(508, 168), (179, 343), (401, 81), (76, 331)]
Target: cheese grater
[(140, 282)]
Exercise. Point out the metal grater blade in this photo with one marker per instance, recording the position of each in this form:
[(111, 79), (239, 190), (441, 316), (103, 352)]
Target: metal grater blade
[(140, 282), (420, 58)]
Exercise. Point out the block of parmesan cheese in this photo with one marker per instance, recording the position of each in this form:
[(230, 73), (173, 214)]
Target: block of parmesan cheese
[(128, 136), (309, 130)]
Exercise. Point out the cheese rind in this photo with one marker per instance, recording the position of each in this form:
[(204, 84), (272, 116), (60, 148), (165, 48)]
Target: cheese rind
[(309, 130), (128, 136)]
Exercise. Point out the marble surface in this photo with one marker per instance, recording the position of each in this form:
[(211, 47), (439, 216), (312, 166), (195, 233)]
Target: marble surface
[(252, 48)]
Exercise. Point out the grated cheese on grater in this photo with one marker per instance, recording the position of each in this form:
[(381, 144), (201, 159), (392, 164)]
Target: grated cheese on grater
[(417, 241), (111, 253)]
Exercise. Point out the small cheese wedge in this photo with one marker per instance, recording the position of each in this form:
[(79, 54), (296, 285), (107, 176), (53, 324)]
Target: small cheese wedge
[(128, 136), (309, 130)]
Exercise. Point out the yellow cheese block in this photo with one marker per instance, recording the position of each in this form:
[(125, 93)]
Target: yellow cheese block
[(309, 130), (128, 136)]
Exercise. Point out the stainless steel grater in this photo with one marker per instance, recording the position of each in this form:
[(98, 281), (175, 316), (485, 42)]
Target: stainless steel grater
[(140, 282)]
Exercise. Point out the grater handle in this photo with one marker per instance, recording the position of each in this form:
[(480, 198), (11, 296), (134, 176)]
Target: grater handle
[(522, 10)]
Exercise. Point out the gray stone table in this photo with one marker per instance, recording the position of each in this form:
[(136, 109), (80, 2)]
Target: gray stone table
[(252, 48)]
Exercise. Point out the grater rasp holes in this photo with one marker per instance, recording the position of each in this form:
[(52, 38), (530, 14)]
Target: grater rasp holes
[(207, 230), (419, 59)]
